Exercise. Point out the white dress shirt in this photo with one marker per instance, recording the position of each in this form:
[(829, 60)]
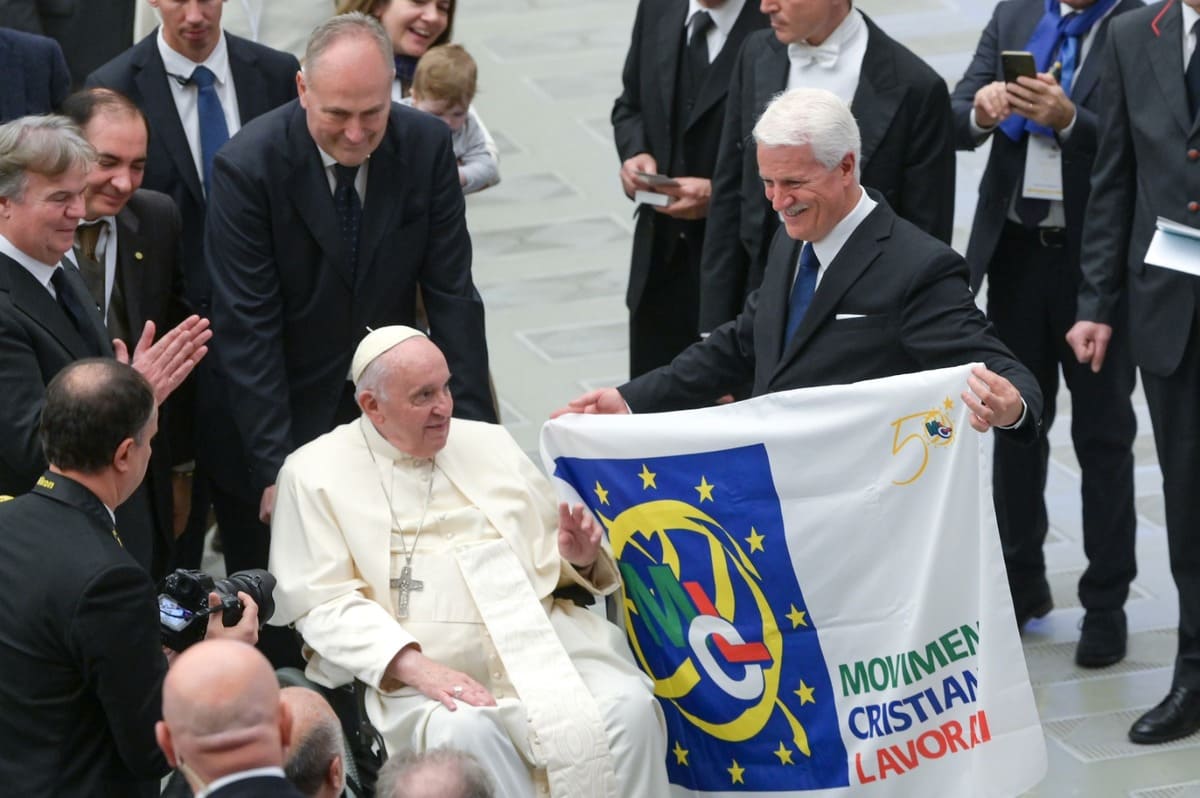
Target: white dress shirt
[(723, 17), (828, 247), (42, 272), (836, 63), (179, 70), (1190, 15)]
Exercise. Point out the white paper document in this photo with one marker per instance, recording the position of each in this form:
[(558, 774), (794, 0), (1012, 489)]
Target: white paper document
[(1043, 169), (1175, 246)]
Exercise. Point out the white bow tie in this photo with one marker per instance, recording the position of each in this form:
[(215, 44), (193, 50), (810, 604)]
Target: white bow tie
[(825, 54)]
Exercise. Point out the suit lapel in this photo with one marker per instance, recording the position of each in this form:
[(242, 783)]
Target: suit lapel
[(773, 300), (308, 186), (716, 79), (1089, 74), (387, 189), (130, 243), (95, 319), (855, 257), (1165, 54), (770, 73), (878, 95), (159, 107), (248, 80), (31, 298), (670, 37)]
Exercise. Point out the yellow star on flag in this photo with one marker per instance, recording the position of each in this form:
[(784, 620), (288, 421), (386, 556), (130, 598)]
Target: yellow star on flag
[(601, 493), (736, 772), (796, 617), (681, 754), (948, 404), (704, 489), (755, 540), (647, 477), (805, 693), (784, 753)]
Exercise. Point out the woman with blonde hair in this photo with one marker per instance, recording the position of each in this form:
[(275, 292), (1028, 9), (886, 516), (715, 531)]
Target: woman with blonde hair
[(413, 26)]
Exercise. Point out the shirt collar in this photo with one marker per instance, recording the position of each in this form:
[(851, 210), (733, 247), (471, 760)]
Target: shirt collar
[(723, 16), (382, 446), (40, 271), (826, 53), (256, 773), (179, 64), (828, 247), (1190, 15)]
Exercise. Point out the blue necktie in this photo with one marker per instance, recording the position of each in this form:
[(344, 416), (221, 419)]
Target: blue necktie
[(213, 130), (349, 210), (1069, 57), (802, 290)]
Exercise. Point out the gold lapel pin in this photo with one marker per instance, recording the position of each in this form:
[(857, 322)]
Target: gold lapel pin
[(138, 255)]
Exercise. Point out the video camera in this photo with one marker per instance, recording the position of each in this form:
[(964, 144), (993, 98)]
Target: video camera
[(183, 603)]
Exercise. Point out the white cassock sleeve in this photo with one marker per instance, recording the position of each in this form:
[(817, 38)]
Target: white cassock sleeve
[(320, 590)]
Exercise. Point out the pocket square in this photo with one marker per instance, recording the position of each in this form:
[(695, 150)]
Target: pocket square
[(843, 316)]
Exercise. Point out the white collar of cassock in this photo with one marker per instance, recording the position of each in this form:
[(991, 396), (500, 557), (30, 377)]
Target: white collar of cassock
[(827, 52), (382, 447)]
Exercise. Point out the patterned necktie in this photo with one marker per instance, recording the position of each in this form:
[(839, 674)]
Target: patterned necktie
[(802, 290), (349, 210), (87, 237), (213, 130)]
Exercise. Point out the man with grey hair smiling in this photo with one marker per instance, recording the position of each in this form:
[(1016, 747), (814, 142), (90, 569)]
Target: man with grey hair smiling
[(47, 316), (851, 292)]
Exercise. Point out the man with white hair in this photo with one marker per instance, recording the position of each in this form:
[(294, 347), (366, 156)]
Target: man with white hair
[(851, 292), (440, 773), (421, 555)]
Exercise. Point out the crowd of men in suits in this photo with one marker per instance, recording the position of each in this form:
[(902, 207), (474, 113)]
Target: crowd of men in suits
[(808, 161)]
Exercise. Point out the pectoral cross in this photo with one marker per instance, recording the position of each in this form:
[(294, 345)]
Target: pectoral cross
[(405, 585)]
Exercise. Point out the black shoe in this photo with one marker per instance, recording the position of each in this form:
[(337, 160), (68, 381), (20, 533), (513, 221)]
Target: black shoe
[(1034, 603), (1178, 715), (1101, 639)]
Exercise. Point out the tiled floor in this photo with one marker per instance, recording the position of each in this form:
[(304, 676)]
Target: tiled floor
[(551, 254)]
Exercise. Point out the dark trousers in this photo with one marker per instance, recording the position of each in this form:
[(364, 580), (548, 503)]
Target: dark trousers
[(1031, 301), (247, 544), (666, 319), (1174, 403)]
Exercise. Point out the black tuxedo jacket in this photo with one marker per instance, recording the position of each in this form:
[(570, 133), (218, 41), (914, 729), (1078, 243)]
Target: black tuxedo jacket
[(1147, 165), (903, 112), (289, 311), (915, 312), (36, 80), (642, 116), (79, 650), (1012, 23)]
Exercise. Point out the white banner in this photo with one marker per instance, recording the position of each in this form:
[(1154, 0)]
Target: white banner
[(814, 582)]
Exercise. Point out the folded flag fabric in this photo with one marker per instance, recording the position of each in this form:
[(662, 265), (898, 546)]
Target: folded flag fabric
[(813, 581)]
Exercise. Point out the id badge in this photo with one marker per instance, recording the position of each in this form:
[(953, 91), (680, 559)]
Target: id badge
[(1043, 169)]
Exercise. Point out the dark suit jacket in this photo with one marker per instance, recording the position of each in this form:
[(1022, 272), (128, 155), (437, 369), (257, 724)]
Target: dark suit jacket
[(79, 650), (264, 79), (36, 341), (288, 311), (94, 33), (263, 785), (36, 80), (150, 274), (903, 112), (1012, 23), (34, 16), (642, 115), (1147, 165), (917, 314)]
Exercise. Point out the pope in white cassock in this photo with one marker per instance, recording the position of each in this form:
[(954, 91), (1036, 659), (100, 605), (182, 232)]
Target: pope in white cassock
[(418, 554)]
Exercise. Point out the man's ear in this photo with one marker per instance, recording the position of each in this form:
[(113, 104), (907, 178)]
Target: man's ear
[(301, 89), (121, 456), (285, 723), (163, 736), (337, 774)]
